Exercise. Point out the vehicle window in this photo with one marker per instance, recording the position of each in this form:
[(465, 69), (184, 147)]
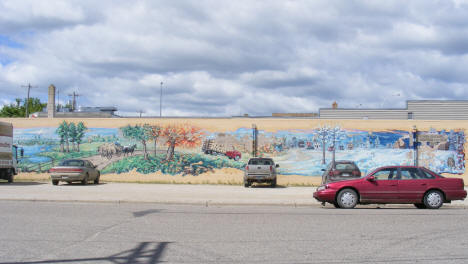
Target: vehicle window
[(411, 174), (425, 175), (253, 162), (261, 162), (386, 174), (72, 163), (345, 166)]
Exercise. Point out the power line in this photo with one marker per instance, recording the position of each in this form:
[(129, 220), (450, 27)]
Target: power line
[(74, 95), (27, 100)]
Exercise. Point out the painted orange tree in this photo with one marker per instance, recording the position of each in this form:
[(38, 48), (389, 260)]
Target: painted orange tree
[(181, 135), (154, 132)]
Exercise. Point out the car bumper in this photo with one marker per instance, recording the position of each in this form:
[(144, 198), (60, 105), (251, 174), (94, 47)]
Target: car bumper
[(259, 178), (455, 195), (327, 195), (67, 177)]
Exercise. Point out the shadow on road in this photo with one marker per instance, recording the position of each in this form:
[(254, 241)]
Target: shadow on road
[(22, 183), (90, 184), (144, 252), (145, 212), (263, 186)]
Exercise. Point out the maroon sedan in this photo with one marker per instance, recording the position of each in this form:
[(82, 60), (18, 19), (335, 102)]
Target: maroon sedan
[(394, 185)]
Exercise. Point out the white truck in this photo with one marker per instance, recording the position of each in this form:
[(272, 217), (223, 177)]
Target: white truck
[(8, 153)]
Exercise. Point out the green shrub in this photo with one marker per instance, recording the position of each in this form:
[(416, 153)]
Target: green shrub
[(182, 163)]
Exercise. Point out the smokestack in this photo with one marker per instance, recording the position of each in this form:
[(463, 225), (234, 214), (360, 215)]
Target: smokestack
[(51, 102)]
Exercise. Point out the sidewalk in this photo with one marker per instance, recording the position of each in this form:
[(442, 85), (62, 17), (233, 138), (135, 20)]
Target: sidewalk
[(165, 193)]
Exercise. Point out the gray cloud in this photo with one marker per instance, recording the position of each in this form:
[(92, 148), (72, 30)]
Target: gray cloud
[(233, 57)]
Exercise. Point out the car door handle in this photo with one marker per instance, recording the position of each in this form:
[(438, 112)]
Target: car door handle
[(393, 185), (423, 184)]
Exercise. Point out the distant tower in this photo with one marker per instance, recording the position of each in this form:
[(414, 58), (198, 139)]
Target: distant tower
[(334, 105), (51, 102)]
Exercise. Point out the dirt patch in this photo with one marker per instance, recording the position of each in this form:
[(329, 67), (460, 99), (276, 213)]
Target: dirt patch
[(225, 176)]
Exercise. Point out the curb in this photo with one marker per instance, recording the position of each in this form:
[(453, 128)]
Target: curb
[(209, 203)]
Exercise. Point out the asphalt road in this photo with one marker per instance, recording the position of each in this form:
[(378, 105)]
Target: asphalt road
[(61, 232)]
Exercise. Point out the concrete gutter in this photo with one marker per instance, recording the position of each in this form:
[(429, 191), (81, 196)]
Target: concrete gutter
[(205, 195)]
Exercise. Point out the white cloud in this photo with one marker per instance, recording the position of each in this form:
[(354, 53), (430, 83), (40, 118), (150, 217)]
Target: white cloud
[(229, 58)]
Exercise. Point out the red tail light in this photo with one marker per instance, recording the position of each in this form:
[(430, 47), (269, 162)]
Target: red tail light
[(271, 168), (65, 170), (247, 167)]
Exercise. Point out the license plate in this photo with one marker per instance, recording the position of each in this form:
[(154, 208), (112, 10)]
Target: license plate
[(64, 177), (345, 174)]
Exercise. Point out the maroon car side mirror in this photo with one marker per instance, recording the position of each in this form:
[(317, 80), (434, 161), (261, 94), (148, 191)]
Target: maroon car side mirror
[(371, 178)]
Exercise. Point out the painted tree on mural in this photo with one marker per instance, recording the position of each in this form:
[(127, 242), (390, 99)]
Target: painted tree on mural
[(72, 135), (154, 132), (181, 135), (323, 133), (139, 133), (63, 133), (80, 133)]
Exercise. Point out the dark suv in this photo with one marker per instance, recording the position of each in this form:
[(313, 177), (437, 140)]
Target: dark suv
[(342, 170)]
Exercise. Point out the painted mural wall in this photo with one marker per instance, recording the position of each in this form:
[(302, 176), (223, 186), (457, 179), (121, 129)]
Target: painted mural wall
[(194, 147)]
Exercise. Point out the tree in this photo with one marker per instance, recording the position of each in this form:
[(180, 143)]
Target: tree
[(178, 135), (80, 132), (139, 133), (18, 110), (62, 131), (154, 133), (72, 133), (323, 134)]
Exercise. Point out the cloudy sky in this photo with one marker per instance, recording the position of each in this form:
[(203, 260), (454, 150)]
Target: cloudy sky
[(225, 58)]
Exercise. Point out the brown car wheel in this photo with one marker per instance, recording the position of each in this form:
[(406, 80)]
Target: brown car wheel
[(85, 180)]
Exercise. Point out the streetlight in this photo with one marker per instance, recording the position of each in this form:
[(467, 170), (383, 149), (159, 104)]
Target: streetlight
[(160, 102)]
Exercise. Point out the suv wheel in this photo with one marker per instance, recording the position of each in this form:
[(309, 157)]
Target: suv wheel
[(273, 183), (347, 198), (247, 184), (55, 182), (433, 199)]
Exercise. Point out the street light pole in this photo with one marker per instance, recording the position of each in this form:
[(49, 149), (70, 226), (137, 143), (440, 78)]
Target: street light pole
[(160, 101), (27, 99)]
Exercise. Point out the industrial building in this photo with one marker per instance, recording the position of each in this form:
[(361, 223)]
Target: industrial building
[(415, 109), (80, 112)]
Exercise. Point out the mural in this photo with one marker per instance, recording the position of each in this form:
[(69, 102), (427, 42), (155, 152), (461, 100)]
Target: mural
[(185, 149)]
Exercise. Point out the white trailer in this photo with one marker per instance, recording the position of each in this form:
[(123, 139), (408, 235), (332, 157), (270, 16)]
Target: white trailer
[(8, 153)]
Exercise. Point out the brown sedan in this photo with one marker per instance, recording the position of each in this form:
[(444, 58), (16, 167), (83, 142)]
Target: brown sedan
[(73, 170)]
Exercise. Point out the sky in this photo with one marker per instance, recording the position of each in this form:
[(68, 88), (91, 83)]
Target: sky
[(229, 58)]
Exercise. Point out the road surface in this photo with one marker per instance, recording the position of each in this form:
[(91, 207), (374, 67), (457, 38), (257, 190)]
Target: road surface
[(61, 232)]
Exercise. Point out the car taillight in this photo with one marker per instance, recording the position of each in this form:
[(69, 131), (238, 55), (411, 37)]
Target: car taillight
[(271, 168), (247, 167), (356, 173)]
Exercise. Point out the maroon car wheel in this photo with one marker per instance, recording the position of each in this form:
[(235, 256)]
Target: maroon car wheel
[(433, 199), (347, 198)]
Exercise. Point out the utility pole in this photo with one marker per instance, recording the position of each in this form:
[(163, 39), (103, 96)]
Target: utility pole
[(160, 102), (27, 100), (141, 112), (254, 140), (74, 95)]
